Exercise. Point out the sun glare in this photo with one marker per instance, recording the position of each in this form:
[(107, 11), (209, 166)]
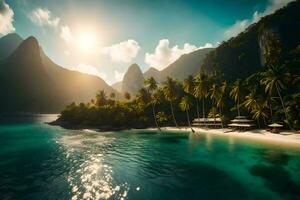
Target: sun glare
[(87, 42)]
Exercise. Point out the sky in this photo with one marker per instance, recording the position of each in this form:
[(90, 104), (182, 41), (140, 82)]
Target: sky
[(104, 37)]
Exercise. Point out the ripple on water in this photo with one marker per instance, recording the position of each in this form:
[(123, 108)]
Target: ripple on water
[(89, 176)]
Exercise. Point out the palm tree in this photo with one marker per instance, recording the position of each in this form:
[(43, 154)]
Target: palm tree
[(112, 95), (188, 87), (101, 98), (221, 99), (274, 80), (127, 96), (259, 113), (170, 91), (236, 93), (215, 94), (151, 84), (186, 105), (201, 90)]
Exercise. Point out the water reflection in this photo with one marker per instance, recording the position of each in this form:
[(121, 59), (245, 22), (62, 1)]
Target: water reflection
[(90, 177)]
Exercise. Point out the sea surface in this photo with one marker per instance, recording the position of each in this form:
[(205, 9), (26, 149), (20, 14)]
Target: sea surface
[(40, 162)]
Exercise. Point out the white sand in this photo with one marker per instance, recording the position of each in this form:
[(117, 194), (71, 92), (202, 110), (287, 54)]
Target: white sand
[(290, 138)]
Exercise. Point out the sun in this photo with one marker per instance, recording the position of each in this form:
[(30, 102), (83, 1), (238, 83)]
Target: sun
[(86, 42)]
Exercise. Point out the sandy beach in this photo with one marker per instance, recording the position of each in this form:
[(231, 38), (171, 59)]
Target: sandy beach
[(290, 138)]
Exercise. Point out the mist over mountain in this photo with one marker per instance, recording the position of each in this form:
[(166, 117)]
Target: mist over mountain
[(31, 82)]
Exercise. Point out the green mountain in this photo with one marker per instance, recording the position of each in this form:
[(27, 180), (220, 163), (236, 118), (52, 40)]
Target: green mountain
[(243, 55), (8, 44), (31, 82), (188, 64)]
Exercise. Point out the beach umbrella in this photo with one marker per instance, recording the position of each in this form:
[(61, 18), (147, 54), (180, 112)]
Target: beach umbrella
[(275, 125)]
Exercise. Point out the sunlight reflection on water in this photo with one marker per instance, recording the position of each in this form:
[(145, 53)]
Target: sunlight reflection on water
[(89, 177)]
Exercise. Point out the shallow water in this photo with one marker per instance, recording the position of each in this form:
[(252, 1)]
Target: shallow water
[(38, 161)]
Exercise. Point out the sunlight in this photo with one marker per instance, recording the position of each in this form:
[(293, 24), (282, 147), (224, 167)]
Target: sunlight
[(86, 41)]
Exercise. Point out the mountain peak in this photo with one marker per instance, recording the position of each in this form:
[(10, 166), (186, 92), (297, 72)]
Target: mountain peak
[(134, 66), (31, 41), (133, 79)]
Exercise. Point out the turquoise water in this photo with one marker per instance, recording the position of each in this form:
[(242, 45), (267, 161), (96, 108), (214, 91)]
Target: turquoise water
[(38, 161)]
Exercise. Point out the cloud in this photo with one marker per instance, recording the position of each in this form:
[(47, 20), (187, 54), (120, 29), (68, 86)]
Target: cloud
[(87, 69), (123, 52), (240, 25), (6, 18), (43, 17), (118, 76), (66, 35), (164, 55)]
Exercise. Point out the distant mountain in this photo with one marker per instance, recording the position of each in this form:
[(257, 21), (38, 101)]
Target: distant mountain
[(245, 54), (133, 80), (187, 64), (8, 44), (31, 82), (117, 86), (152, 72)]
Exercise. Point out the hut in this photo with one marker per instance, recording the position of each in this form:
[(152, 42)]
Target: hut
[(275, 128), (208, 122), (241, 123)]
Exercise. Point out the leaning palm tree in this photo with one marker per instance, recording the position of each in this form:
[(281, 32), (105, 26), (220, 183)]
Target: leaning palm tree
[(151, 84), (201, 90), (188, 87), (170, 92), (186, 105), (236, 93), (274, 80)]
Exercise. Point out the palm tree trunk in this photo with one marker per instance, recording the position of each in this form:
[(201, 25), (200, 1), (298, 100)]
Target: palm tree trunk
[(264, 121), (238, 108), (174, 119), (203, 111), (188, 118), (221, 118), (271, 111), (197, 106), (282, 103), (154, 115)]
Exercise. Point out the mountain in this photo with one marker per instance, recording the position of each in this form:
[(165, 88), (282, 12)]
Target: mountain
[(8, 44), (245, 54), (31, 82), (152, 72), (133, 80), (117, 86), (187, 64)]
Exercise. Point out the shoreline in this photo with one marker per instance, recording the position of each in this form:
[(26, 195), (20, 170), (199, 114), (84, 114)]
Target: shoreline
[(285, 137)]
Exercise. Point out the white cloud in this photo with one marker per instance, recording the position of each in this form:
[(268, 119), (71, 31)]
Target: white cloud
[(123, 52), (43, 17), (164, 55), (66, 34), (240, 25), (87, 69), (118, 76), (6, 18)]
